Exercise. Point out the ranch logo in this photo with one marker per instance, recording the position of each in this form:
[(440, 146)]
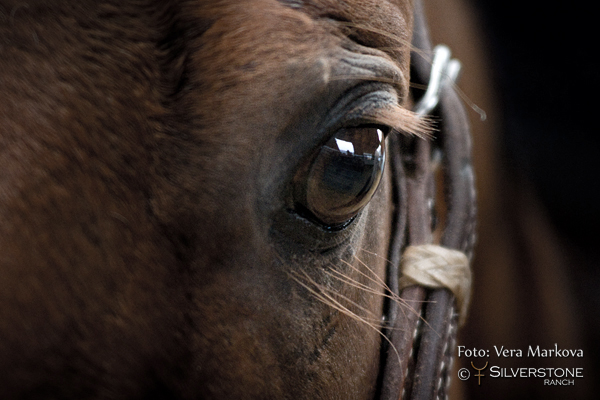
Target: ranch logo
[(551, 376)]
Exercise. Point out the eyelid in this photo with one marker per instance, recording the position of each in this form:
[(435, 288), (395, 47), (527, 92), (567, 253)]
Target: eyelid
[(401, 120), (368, 64), (385, 129), (360, 105), (380, 108)]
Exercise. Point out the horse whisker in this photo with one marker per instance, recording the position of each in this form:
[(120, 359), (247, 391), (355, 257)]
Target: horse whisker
[(396, 297), (345, 279), (340, 307), (335, 305)]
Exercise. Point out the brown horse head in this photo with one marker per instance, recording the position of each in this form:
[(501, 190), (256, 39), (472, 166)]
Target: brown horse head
[(192, 202)]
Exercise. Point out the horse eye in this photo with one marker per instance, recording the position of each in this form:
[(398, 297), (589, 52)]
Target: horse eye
[(343, 176)]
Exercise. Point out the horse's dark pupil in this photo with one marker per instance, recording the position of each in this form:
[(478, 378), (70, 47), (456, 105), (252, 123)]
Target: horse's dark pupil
[(345, 174)]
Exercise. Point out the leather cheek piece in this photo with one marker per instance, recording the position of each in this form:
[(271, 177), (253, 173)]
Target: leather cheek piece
[(434, 266)]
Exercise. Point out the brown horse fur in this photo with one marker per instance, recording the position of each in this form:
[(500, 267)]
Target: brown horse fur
[(146, 150)]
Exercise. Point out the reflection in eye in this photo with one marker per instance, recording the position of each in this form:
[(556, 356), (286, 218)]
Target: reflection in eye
[(344, 175), (344, 146)]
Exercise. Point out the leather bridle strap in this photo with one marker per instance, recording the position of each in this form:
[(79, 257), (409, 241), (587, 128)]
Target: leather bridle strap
[(424, 324)]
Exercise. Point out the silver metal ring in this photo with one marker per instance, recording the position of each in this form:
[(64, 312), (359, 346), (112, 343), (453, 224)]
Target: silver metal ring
[(444, 71)]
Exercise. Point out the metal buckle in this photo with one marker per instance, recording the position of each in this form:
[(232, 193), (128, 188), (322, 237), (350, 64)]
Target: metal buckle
[(444, 71)]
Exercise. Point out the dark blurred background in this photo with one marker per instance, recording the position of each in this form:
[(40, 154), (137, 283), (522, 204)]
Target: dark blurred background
[(533, 66), (546, 61), (545, 67)]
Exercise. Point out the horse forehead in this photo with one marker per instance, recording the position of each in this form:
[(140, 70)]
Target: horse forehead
[(392, 16), (261, 47), (371, 11), (374, 23)]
